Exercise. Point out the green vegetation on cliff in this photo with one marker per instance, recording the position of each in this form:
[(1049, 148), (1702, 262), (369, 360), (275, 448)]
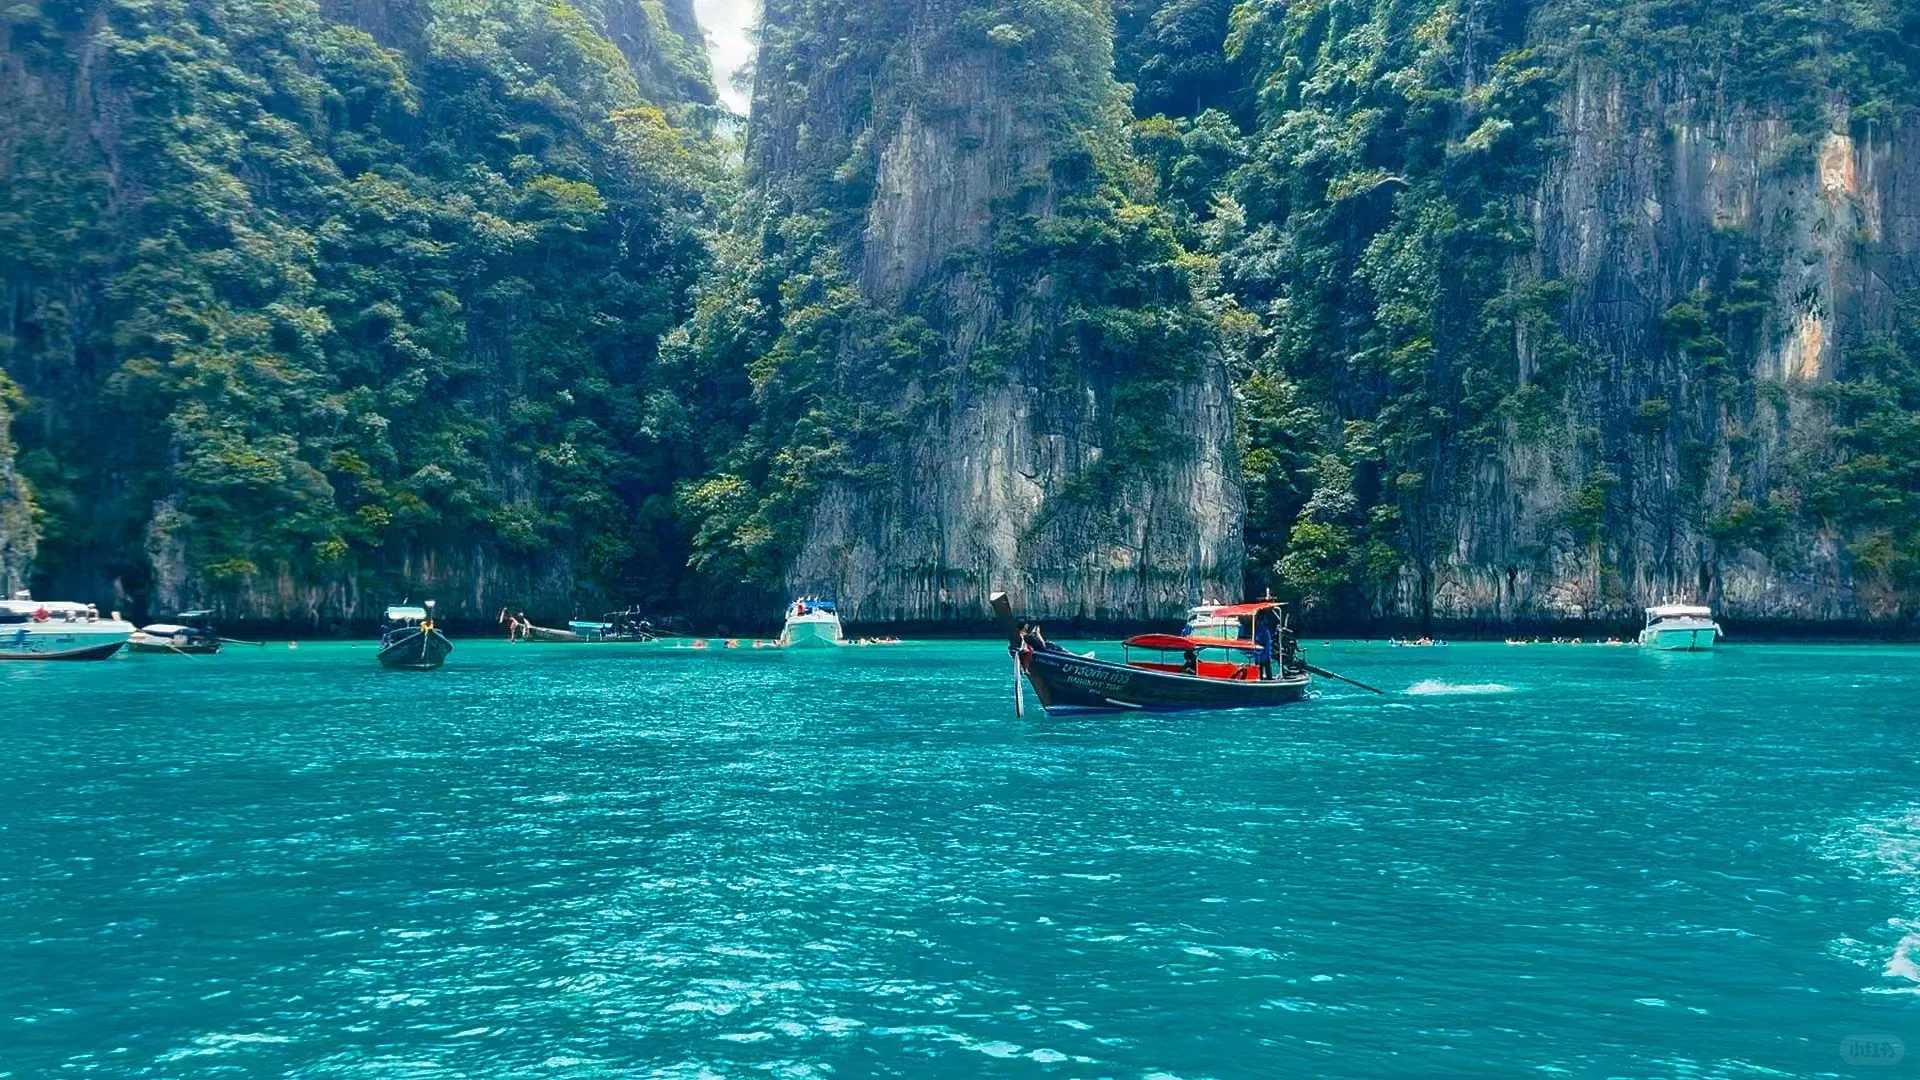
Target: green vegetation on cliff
[(294, 306), (1067, 280), (1374, 216)]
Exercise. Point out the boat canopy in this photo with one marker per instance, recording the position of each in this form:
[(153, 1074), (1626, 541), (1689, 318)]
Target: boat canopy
[(54, 608), (405, 613), (1175, 641), (1234, 611), (188, 615), (1679, 611)]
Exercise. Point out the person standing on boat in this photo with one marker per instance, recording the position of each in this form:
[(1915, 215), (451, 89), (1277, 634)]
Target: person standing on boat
[(1263, 640)]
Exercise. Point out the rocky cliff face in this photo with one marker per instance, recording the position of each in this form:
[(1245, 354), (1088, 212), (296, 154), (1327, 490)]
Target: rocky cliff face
[(965, 133), (322, 303), (1668, 197), (18, 536)]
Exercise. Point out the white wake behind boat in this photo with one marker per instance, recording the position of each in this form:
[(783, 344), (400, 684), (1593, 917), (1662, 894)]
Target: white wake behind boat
[(1680, 628), (58, 630), (811, 623)]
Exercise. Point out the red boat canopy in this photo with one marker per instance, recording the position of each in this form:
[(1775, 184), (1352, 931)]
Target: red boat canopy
[(1175, 641), (1233, 611)]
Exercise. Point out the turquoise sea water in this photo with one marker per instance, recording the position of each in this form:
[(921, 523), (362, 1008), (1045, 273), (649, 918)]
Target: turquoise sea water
[(597, 861)]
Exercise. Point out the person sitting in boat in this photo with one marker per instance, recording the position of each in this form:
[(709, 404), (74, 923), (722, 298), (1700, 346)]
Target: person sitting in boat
[(1190, 662)]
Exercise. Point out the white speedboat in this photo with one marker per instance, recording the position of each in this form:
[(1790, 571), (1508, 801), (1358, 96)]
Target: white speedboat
[(1206, 622), (58, 630), (1680, 628), (811, 622)]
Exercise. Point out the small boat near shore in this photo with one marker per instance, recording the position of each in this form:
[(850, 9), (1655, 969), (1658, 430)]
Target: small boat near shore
[(1209, 672), (409, 641), (1205, 621), (58, 630), (811, 622), (192, 635), (628, 625)]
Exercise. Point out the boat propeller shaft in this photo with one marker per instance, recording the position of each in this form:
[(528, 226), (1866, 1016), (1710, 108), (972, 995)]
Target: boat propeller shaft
[(1344, 679)]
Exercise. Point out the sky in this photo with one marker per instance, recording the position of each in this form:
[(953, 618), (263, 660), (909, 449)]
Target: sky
[(726, 23)]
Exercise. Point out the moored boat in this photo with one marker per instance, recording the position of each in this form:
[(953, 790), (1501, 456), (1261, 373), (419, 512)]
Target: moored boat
[(811, 622), (1206, 621), (193, 635), (409, 640), (1680, 628), (58, 630), (626, 625), (1209, 672)]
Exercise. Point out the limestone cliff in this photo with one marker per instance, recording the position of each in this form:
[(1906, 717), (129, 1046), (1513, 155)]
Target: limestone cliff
[(18, 537), (1558, 310), (943, 137), (1667, 196), (322, 303)]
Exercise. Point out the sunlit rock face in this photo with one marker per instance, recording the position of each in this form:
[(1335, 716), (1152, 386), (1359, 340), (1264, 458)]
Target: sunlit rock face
[(943, 139), (1664, 190)]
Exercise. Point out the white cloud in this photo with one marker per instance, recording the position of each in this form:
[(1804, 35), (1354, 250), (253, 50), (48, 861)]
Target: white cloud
[(726, 23)]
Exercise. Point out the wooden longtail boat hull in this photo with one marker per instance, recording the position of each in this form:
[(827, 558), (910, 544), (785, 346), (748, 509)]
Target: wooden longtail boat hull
[(147, 643), (414, 649), (1068, 683), (189, 650)]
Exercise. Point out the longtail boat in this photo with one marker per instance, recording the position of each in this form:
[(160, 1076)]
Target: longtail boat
[(410, 642), (1174, 672), (192, 635), (625, 625)]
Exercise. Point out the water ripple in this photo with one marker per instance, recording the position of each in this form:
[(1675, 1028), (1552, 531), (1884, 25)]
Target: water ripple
[(581, 862)]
